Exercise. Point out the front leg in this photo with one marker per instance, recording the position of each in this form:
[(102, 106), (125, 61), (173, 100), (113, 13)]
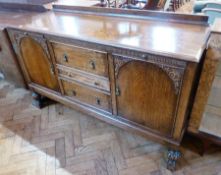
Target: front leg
[(40, 101), (172, 157)]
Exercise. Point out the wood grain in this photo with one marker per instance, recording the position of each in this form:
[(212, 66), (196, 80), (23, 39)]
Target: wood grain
[(87, 95), (37, 63), (186, 96), (85, 78), (147, 96), (207, 77), (81, 58), (137, 34)]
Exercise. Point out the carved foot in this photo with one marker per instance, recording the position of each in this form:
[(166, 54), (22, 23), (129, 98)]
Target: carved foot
[(172, 157), (40, 101)]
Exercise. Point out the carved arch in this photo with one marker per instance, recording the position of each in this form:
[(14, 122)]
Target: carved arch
[(174, 69), (40, 40)]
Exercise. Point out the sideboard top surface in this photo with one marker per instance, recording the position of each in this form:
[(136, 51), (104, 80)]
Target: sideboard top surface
[(180, 40)]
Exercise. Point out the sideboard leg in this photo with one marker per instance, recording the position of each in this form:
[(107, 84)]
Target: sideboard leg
[(172, 157), (40, 101), (37, 100)]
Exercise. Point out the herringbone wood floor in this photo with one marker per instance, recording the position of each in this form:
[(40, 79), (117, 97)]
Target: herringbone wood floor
[(59, 140)]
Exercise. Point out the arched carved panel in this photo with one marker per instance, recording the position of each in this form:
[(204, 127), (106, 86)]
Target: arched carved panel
[(35, 56), (148, 91), (174, 69), (38, 38)]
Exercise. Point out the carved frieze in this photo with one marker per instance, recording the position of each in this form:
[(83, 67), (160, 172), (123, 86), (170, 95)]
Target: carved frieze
[(174, 69), (38, 38), (174, 74), (165, 61), (119, 61)]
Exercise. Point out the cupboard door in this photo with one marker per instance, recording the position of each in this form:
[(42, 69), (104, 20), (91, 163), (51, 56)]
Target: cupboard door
[(147, 93), (34, 55)]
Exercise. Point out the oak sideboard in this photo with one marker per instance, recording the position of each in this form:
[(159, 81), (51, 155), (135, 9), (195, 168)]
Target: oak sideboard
[(137, 70)]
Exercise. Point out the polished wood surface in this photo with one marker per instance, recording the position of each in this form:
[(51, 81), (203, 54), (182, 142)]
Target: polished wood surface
[(38, 2), (138, 14), (25, 7), (84, 3), (162, 37)]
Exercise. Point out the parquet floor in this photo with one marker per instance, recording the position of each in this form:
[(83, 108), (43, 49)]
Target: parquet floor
[(58, 140)]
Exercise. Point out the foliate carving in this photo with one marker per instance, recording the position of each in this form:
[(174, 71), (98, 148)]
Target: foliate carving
[(38, 38), (215, 41), (119, 61), (175, 74), (173, 68), (165, 60)]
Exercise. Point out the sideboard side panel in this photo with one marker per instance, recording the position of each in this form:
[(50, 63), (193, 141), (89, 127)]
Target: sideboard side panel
[(210, 65), (8, 61), (34, 58)]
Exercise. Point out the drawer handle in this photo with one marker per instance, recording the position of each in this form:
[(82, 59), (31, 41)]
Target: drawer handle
[(65, 58), (92, 64), (98, 101), (52, 70), (74, 93), (96, 84)]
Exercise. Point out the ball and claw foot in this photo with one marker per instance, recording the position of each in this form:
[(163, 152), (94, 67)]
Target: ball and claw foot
[(172, 157)]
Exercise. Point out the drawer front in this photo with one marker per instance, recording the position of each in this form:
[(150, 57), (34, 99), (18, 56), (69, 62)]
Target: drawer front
[(81, 58), (86, 95), (81, 77)]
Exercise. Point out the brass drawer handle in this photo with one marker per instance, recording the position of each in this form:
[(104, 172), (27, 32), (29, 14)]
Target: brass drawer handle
[(74, 93), (92, 64), (96, 84), (98, 101), (52, 70), (65, 58)]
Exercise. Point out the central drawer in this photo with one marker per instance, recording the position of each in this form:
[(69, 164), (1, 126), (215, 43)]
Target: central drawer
[(88, 60), (86, 95), (82, 77)]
